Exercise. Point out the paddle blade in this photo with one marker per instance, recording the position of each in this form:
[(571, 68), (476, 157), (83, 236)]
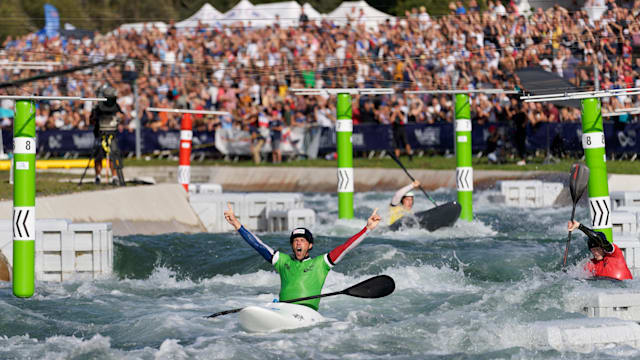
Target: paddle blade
[(578, 181), (376, 287), (440, 216)]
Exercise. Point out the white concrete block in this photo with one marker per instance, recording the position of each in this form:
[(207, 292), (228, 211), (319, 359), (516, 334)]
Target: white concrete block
[(205, 189), (624, 198), (68, 255), (109, 237), (251, 209), (550, 193), (64, 249), (84, 261), (621, 304), (301, 218), (624, 222), (285, 220), (98, 226), (522, 193), (52, 262), (83, 240), (629, 244), (210, 209), (260, 204), (57, 277), (634, 210), (52, 224), (530, 193), (584, 335), (49, 241)]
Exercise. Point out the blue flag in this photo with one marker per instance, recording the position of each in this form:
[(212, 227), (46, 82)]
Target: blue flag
[(51, 21)]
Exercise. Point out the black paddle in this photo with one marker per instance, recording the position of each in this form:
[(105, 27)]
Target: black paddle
[(577, 185), (395, 158), (376, 287)]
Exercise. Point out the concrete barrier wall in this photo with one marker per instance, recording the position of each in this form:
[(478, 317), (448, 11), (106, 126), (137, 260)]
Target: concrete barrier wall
[(300, 179), (150, 210)]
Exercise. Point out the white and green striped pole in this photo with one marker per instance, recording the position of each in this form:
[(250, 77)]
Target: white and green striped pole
[(344, 147), (595, 157), (24, 198), (462, 142), (594, 149), (24, 190), (464, 170), (344, 144)]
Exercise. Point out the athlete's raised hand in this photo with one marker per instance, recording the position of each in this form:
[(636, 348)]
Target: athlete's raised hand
[(373, 220), (231, 217)]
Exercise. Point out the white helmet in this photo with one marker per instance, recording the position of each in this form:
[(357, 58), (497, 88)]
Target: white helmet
[(409, 194)]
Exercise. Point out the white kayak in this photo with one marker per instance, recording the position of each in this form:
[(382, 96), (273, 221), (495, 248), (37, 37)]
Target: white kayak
[(278, 316)]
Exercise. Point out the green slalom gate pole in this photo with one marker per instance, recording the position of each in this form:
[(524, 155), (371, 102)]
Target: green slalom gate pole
[(464, 171), (24, 198), (595, 155), (344, 130)]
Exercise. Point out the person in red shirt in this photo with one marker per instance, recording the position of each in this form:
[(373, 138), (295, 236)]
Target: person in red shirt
[(608, 260)]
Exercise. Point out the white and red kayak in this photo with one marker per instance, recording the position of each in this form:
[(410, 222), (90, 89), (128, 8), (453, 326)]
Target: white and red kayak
[(277, 317)]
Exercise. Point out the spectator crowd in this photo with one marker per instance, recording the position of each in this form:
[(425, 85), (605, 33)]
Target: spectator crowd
[(248, 71)]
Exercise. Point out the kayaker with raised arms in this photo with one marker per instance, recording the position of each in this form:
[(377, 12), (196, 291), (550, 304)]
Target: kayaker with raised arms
[(608, 260), (300, 274), (402, 202)]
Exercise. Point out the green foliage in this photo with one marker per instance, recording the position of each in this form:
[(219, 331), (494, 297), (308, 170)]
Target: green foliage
[(434, 7), (15, 21), (22, 17)]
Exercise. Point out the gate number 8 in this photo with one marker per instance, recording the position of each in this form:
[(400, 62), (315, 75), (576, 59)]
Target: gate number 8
[(588, 140)]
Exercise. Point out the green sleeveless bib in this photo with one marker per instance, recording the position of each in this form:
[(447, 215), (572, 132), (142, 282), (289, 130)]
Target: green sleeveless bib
[(301, 278)]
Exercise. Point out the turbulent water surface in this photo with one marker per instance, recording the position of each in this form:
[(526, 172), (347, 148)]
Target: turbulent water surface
[(467, 292)]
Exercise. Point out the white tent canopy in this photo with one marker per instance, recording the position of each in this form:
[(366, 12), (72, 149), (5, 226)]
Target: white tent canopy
[(207, 15), (138, 27), (358, 12), (245, 12), (311, 12), (287, 12)]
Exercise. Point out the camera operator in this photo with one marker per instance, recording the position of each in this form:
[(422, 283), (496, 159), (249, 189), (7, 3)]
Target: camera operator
[(397, 120), (105, 119)]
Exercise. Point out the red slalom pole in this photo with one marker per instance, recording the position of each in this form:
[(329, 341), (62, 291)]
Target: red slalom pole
[(184, 164)]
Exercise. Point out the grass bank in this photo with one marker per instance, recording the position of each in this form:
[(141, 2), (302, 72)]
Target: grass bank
[(49, 183)]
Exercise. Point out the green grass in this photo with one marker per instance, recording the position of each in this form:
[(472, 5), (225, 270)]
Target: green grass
[(48, 183)]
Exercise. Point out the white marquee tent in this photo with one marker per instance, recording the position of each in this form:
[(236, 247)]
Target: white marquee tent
[(311, 12), (288, 12), (138, 27), (265, 14), (207, 15), (245, 12), (358, 11)]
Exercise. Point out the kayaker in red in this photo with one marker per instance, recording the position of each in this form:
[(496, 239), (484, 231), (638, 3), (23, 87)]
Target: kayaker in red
[(608, 259)]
